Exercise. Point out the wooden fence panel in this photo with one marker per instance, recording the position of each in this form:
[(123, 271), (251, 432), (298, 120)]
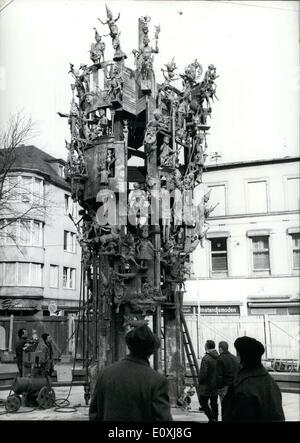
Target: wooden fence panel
[(279, 334)]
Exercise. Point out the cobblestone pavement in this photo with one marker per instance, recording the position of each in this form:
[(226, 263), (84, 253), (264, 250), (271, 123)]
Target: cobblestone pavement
[(291, 405)]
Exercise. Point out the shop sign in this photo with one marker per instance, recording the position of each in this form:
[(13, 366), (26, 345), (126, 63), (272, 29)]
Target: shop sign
[(187, 309), (220, 310), (12, 303)]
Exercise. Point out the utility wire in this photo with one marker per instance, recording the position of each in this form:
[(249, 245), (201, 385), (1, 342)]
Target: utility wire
[(5, 6)]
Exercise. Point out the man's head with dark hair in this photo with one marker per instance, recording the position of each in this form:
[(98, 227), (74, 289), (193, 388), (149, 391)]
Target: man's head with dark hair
[(210, 344), (45, 336), (141, 341), (22, 333), (250, 351), (223, 346)]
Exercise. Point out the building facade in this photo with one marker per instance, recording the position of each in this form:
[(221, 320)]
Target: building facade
[(40, 258), (249, 265)]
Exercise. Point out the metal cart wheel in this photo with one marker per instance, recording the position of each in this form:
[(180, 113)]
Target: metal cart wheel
[(13, 403), (46, 398)]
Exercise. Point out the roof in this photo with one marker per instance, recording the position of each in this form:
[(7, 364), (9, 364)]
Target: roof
[(248, 163), (32, 159)]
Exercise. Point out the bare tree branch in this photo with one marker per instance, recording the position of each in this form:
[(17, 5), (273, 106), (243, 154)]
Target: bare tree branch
[(18, 201)]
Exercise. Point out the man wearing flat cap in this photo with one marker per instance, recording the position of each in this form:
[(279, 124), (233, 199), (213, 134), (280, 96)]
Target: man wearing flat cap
[(254, 395), (130, 390)]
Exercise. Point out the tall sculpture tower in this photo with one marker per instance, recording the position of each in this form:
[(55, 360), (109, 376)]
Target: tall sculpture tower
[(139, 224)]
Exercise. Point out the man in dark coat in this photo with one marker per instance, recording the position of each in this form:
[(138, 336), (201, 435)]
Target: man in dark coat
[(254, 395), (130, 390), (227, 368), (20, 343), (208, 382)]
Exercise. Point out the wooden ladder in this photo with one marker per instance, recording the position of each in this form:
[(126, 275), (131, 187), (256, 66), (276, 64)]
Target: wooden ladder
[(190, 353)]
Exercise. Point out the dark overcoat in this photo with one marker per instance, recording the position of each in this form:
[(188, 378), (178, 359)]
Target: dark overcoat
[(227, 368), (208, 374), (130, 391), (253, 397)]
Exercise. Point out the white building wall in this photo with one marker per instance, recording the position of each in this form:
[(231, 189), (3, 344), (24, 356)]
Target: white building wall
[(57, 223), (241, 283)]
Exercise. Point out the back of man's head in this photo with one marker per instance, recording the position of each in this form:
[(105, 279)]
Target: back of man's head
[(210, 344), (141, 341), (250, 351), (21, 332), (223, 346)]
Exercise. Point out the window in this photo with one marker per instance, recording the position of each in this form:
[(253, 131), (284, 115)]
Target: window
[(67, 203), (296, 250), (25, 232), (217, 197), (293, 201), (11, 232), (260, 251), (37, 233), (53, 283), (36, 274), (22, 274), (70, 206), (69, 278), (69, 241), (219, 263), (61, 171), (22, 232), (257, 196), (2, 233), (10, 274), (38, 189), (26, 188)]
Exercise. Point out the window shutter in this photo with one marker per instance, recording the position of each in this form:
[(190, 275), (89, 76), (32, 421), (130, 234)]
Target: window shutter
[(219, 262)]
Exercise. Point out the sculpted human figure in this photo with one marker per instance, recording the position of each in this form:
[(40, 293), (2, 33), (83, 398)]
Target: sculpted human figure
[(138, 205), (78, 81), (111, 22), (169, 74), (97, 49), (145, 248), (146, 57), (115, 83), (166, 153), (119, 54)]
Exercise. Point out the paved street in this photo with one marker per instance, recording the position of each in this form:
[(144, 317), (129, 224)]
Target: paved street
[(291, 403)]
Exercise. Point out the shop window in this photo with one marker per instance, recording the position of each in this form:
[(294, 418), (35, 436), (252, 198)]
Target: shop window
[(260, 253), (219, 261)]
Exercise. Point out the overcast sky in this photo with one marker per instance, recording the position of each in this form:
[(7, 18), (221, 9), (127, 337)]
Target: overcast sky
[(254, 46)]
